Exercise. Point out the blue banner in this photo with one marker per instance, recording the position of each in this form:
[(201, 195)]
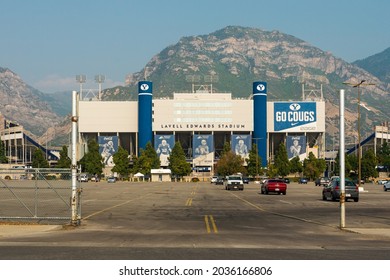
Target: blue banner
[(203, 145), (289, 115), (163, 145), (241, 145), (296, 146), (108, 146)]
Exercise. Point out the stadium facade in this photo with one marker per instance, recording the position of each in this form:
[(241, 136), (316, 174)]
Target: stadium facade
[(202, 121)]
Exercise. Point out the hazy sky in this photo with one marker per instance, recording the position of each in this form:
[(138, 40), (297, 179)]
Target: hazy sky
[(48, 42)]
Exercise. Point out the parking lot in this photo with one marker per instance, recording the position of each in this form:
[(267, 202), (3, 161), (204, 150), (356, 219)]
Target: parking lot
[(204, 218)]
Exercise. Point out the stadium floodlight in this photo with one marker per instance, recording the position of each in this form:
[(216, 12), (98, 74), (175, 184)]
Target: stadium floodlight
[(81, 79), (193, 79), (210, 79), (100, 79)]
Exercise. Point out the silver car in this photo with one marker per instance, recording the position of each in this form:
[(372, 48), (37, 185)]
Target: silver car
[(386, 186)]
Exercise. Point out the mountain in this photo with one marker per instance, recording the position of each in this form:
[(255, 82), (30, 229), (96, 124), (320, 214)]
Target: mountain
[(23, 104), (236, 56), (378, 65), (233, 58)]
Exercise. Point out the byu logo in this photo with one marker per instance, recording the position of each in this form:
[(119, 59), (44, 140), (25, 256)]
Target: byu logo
[(295, 107), (144, 87), (260, 87)]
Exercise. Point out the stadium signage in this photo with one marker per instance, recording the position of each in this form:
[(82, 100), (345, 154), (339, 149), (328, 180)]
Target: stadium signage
[(199, 126), (290, 115)]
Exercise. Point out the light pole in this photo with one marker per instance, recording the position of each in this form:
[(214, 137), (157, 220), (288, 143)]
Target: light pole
[(358, 85)]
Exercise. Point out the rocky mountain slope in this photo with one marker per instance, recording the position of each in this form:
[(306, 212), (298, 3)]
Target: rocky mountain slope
[(238, 56), (23, 104)]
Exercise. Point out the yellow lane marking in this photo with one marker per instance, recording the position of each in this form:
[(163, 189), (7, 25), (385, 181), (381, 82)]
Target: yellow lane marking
[(189, 202), (112, 207), (212, 222)]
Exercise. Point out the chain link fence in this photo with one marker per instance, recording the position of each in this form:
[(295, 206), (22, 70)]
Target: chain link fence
[(33, 194)]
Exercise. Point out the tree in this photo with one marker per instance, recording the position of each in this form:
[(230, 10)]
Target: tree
[(147, 160), (39, 160), (226, 148), (230, 163), (383, 156), (254, 162), (369, 163), (3, 158), (177, 161), (313, 167), (121, 161), (64, 161), (296, 165), (92, 161), (281, 161)]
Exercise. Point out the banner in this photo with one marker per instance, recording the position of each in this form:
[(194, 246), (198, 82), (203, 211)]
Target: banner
[(296, 146), (203, 150), (290, 116), (163, 145), (108, 146), (241, 145)]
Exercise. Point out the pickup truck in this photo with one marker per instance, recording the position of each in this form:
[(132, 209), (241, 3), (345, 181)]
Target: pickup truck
[(234, 182)]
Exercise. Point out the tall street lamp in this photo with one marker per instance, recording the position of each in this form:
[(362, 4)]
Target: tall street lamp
[(358, 85)]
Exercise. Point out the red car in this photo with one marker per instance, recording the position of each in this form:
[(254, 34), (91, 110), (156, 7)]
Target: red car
[(274, 185)]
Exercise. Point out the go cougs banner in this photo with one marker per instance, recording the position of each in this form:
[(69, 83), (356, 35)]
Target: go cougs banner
[(163, 145), (203, 150)]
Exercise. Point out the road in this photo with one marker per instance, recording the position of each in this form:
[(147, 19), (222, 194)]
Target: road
[(201, 221)]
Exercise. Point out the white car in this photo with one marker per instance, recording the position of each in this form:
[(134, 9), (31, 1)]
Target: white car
[(214, 179), (386, 186)]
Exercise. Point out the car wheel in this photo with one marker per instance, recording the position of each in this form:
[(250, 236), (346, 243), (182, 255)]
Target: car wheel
[(323, 196), (284, 193), (356, 199)]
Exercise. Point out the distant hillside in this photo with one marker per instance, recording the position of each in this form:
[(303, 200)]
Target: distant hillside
[(25, 105), (378, 65), (237, 56)]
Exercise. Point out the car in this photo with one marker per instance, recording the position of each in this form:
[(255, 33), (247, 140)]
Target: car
[(386, 186), (286, 180), (332, 191), (111, 179), (323, 181), (303, 181), (219, 181), (245, 180), (83, 177), (274, 185), (214, 179), (234, 182)]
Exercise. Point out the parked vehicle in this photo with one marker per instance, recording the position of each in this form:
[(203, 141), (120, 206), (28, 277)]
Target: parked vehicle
[(234, 182), (111, 179), (386, 186), (214, 179), (219, 181), (303, 181), (83, 177), (332, 191), (323, 181), (245, 180), (274, 185)]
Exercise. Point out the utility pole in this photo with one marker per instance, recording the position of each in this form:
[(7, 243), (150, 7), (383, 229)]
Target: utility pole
[(359, 148)]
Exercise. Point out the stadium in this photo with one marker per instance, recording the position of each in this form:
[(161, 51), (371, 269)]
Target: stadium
[(202, 121)]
